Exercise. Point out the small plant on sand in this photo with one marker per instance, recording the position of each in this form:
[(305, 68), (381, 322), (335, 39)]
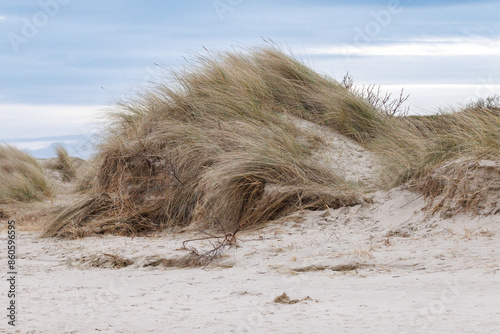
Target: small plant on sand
[(284, 299), (21, 177)]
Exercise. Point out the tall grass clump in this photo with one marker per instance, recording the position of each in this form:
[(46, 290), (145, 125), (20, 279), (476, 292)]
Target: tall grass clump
[(452, 158), (64, 164), (415, 145), (215, 147), (21, 177)]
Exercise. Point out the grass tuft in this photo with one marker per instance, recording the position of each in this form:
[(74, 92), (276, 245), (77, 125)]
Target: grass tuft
[(414, 146), (21, 177), (64, 164)]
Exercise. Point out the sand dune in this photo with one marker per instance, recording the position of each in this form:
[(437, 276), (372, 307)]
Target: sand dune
[(262, 197), (385, 265)]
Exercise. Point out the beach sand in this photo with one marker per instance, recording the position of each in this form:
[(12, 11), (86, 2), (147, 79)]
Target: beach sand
[(383, 266)]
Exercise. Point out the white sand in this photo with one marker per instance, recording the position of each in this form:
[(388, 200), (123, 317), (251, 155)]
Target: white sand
[(346, 156), (430, 276)]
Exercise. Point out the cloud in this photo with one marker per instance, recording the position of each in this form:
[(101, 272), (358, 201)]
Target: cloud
[(406, 3), (36, 145), (31, 121), (421, 47)]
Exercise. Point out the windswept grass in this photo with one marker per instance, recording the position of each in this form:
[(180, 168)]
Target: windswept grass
[(21, 177), (451, 158), (64, 164), (214, 148), (413, 146), (85, 176)]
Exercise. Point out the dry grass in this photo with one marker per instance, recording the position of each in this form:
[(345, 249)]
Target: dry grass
[(4, 214), (339, 267), (434, 154), (463, 186), (85, 176), (452, 158), (214, 148), (412, 147), (21, 177), (64, 164), (284, 299), (105, 260), (191, 259), (113, 261)]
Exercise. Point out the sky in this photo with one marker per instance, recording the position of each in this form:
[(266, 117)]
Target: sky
[(65, 62)]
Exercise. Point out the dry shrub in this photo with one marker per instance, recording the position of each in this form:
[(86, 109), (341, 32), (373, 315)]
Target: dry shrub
[(21, 177), (374, 96), (213, 147)]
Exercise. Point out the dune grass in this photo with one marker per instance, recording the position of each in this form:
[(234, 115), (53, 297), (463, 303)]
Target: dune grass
[(451, 158), (64, 164), (21, 177), (214, 147), (413, 146), (85, 176)]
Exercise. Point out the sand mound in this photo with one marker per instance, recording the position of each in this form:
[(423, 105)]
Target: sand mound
[(245, 138), (217, 151)]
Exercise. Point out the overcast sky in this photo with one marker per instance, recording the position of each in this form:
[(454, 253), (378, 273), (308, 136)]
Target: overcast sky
[(64, 61)]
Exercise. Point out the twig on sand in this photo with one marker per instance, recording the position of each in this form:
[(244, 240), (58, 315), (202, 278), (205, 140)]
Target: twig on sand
[(222, 243)]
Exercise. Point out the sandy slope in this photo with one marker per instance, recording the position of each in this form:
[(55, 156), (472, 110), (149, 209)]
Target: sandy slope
[(352, 161), (379, 267)]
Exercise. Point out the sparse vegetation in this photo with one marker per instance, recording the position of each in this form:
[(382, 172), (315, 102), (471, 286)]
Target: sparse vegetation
[(465, 185), (339, 267), (106, 260), (284, 299), (188, 260), (21, 177), (375, 97)]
